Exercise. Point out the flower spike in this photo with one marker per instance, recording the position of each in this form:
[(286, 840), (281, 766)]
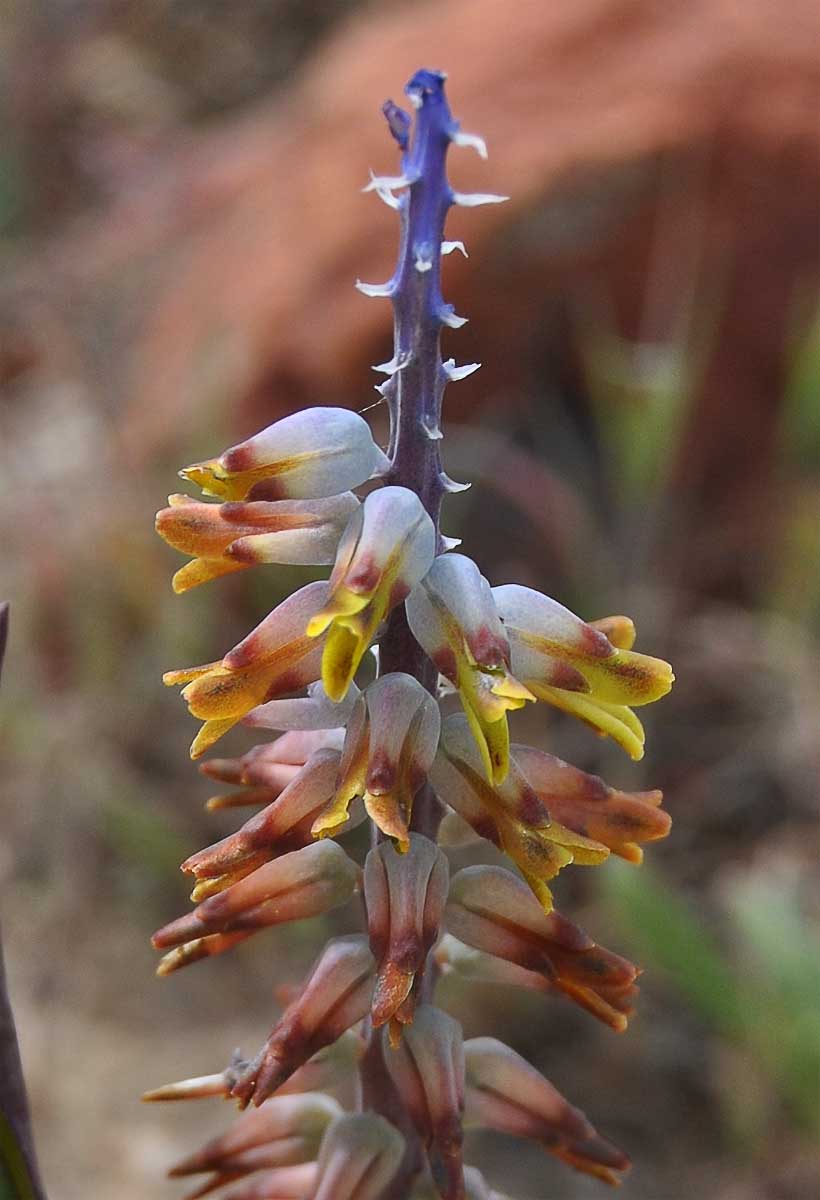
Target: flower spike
[(574, 666), (452, 615), (404, 896), (510, 815), (386, 549), (313, 453), (276, 658), (224, 538), (391, 741)]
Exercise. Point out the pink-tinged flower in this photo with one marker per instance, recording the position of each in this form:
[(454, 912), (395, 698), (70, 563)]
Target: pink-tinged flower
[(265, 771), (302, 884), (404, 896), (328, 1068), (452, 616), (276, 658), (315, 711), (284, 826), (574, 665), (335, 996), (510, 815), (584, 803), (282, 1183), (360, 1155), (314, 453), (390, 744), (284, 1131), (505, 1093), (223, 538), (427, 1068), (385, 550), (494, 911)]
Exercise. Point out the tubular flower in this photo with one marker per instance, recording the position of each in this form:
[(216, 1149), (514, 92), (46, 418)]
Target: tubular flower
[(276, 658), (302, 884), (492, 910), (285, 1131), (509, 815), (584, 803), (452, 616), (385, 550), (390, 744), (314, 711), (427, 1068), (574, 665), (266, 770), (223, 538), (335, 996), (404, 895), (359, 1156), (281, 827), (314, 453), (504, 1092)]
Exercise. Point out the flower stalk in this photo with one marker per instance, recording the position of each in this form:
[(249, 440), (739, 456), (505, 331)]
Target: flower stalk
[(351, 747)]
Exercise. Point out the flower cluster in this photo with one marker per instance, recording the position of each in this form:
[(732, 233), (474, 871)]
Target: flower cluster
[(315, 488)]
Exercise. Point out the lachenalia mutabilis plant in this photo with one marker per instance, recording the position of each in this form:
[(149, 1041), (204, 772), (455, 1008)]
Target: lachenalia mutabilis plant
[(350, 751)]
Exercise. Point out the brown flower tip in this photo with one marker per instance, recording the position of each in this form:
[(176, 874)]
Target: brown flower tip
[(336, 995), (495, 912), (405, 896), (428, 1071)]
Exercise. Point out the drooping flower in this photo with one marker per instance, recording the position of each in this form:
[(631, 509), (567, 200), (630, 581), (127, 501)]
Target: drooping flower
[(452, 616), (224, 538), (389, 747), (281, 827), (301, 884), (313, 453), (385, 550), (574, 666), (510, 814), (266, 770), (427, 1067), (285, 1131), (583, 802), (275, 658), (334, 997), (359, 1156), (494, 911), (404, 895), (505, 1093)]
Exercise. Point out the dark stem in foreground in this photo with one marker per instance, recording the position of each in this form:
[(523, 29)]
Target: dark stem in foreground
[(18, 1162), (414, 393)]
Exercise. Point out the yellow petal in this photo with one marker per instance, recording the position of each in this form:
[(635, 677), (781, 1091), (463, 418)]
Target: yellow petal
[(211, 732), (202, 570), (612, 720)]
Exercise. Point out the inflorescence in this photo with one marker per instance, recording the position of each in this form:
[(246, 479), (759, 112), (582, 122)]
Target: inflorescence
[(350, 749)]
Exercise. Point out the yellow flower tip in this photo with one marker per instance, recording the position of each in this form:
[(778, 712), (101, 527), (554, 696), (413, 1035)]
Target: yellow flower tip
[(344, 650), (187, 674), (210, 733), (508, 688)]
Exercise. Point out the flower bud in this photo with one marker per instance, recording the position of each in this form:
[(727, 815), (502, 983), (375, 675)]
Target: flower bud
[(336, 995), (427, 1068), (405, 896), (360, 1155), (494, 911), (316, 711), (505, 1093), (302, 884), (452, 616), (282, 1183), (574, 666), (385, 550), (313, 453), (284, 826), (276, 658), (223, 538), (509, 815), (390, 744), (284, 1131), (589, 806)]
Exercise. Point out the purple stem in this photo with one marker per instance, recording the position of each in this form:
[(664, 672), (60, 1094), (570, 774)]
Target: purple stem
[(414, 393)]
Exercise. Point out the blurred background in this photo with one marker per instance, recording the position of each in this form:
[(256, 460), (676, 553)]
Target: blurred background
[(181, 223)]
